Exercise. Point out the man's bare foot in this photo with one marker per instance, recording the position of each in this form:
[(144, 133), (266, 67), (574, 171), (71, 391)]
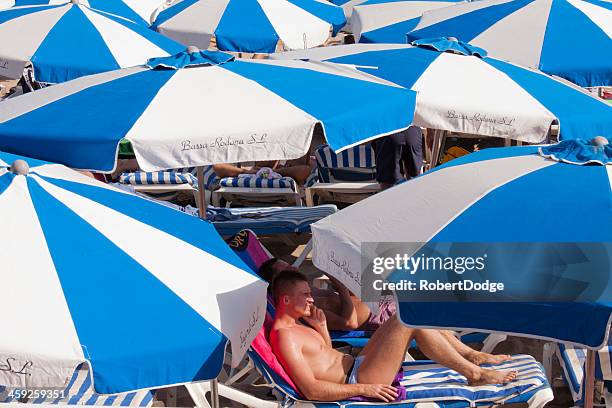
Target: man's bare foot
[(492, 377), (480, 358)]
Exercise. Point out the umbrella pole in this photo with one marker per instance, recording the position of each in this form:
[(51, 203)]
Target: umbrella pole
[(438, 137), (201, 195), (589, 379), (214, 394)]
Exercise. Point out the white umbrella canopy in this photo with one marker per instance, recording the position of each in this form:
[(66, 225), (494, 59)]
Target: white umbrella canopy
[(98, 273), (460, 89), (491, 203), (69, 40), (139, 11), (210, 109)]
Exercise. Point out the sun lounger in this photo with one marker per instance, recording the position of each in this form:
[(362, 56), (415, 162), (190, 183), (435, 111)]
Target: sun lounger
[(171, 177), (572, 360), (168, 184), (267, 220), (251, 191), (29, 83), (347, 177), (428, 385), (354, 164), (247, 190), (79, 391)]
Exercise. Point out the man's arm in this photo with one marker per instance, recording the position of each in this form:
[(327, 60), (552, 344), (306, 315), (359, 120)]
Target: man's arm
[(346, 310), (228, 170), (337, 322), (318, 321), (289, 353)]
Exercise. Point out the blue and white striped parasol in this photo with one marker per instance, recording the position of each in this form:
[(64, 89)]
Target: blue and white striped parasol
[(70, 40), (567, 38), (465, 91), (251, 25), (388, 21), (498, 195), (144, 294), (211, 109), (347, 7), (139, 11)]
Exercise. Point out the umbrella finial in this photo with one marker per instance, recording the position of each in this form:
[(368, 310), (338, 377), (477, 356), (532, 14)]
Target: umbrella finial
[(192, 49), (452, 39), (599, 141), (20, 167), (75, 2)]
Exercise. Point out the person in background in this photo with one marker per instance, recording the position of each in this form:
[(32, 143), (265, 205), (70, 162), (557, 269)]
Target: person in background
[(298, 169), (398, 156)]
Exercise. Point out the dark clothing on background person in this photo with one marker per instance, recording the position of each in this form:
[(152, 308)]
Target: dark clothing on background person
[(399, 156)]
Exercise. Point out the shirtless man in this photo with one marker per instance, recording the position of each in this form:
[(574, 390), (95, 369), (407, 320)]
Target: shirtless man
[(324, 374), (345, 311)]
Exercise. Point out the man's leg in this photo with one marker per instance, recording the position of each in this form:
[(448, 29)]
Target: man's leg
[(412, 152), (470, 354), (435, 346), (385, 351), (388, 155)]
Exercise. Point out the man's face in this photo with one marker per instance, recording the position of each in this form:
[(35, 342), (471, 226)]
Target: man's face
[(300, 300)]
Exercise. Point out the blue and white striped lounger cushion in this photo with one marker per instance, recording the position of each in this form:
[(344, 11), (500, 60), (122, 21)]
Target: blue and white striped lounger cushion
[(312, 179), (158, 177), (572, 360), (171, 177), (604, 363), (431, 385), (432, 382), (257, 182), (272, 220), (361, 156), (79, 391), (357, 157)]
